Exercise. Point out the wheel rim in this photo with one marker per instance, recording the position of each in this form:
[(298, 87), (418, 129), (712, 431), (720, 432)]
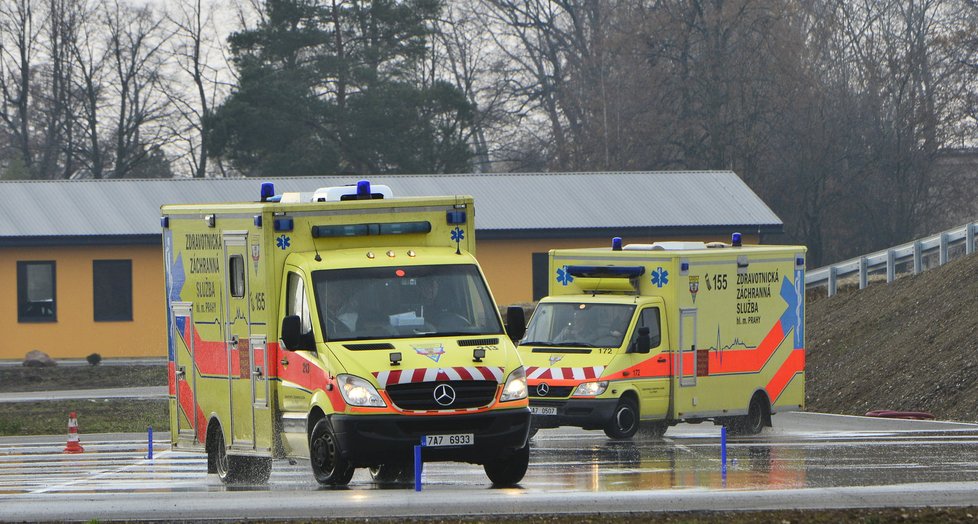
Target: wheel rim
[(754, 416), (625, 419), (324, 451), (221, 456)]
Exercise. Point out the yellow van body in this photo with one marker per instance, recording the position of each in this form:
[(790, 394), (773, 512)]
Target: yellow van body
[(260, 367), (725, 337)]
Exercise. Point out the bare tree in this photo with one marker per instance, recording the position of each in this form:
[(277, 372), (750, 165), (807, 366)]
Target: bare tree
[(136, 36), (196, 50)]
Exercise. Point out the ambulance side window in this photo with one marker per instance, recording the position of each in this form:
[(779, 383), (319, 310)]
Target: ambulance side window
[(237, 275), (649, 317), (296, 303)]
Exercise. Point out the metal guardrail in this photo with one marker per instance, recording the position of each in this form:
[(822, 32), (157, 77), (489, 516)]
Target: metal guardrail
[(889, 258)]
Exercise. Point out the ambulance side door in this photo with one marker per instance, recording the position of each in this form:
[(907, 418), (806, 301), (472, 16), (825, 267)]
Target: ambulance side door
[(238, 340), (654, 383)]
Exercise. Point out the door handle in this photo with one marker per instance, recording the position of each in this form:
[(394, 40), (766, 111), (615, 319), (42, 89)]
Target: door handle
[(285, 362), (661, 359), (234, 340), (258, 374), (181, 372)]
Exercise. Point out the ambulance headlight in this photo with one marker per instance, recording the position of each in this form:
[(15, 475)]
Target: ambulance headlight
[(591, 389), (358, 392), (515, 388)]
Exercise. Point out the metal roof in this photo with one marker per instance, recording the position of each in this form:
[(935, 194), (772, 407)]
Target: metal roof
[(509, 204)]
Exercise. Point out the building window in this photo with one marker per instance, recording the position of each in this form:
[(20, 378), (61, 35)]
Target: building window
[(112, 290), (36, 292)]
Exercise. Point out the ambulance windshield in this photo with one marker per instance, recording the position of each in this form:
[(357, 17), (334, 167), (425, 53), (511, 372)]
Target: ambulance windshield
[(578, 325), (404, 302)]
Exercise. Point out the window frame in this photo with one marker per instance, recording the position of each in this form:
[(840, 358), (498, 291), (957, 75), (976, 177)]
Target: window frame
[(126, 316), (22, 291)]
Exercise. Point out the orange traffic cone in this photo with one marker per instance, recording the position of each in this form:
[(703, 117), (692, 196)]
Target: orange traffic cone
[(73, 445)]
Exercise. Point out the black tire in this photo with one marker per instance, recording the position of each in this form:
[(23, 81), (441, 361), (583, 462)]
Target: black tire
[(227, 467), (508, 472), (329, 466), (394, 473), (233, 469), (753, 422), (655, 429), (624, 421)]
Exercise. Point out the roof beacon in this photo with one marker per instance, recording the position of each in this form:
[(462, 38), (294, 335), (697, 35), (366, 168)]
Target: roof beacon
[(616, 244), (267, 191), (735, 240)]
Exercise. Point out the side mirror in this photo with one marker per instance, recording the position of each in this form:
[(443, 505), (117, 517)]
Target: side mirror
[(515, 323), (643, 343), (292, 332)]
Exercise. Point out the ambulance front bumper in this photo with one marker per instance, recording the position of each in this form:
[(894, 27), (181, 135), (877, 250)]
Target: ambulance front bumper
[(586, 413), (370, 440)]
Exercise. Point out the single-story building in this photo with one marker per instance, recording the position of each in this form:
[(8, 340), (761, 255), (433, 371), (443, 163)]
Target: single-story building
[(83, 261)]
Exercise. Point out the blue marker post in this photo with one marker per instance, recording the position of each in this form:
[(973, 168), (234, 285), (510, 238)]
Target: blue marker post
[(723, 452), (150, 446), (418, 464)]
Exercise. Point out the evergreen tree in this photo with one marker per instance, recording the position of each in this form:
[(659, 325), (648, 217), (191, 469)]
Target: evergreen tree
[(335, 88)]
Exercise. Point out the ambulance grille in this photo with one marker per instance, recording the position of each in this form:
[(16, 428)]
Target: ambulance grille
[(479, 342), (362, 347), (420, 396), (553, 392)]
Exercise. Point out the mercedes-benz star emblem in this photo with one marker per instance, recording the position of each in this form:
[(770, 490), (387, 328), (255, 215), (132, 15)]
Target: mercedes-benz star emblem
[(444, 395), (543, 389)]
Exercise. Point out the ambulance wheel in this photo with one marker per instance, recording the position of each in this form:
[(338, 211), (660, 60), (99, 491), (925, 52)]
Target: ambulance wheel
[(328, 464), (508, 472), (624, 421), (393, 473), (217, 456), (753, 422)]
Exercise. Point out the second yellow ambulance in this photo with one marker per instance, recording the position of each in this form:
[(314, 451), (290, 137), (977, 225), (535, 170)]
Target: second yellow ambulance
[(652, 335)]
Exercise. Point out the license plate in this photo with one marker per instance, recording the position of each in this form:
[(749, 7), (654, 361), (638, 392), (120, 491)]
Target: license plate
[(543, 411), (460, 439)]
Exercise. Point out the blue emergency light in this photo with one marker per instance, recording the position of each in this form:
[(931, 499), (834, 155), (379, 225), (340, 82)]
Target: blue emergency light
[(358, 230), (606, 271), (456, 216), (735, 240), (363, 190), (284, 224), (616, 244), (267, 191)]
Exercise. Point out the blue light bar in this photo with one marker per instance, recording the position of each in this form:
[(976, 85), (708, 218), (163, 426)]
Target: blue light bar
[(616, 244), (356, 230), (165, 222), (455, 217), (267, 191), (606, 271), (284, 224), (735, 240)]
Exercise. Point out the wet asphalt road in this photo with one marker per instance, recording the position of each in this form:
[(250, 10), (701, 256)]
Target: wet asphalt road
[(806, 461)]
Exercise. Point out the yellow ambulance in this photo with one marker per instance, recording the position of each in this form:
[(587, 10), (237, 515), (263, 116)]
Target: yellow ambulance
[(343, 326), (650, 335)]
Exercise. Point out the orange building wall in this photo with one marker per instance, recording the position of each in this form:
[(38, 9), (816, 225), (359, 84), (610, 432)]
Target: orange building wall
[(76, 334)]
